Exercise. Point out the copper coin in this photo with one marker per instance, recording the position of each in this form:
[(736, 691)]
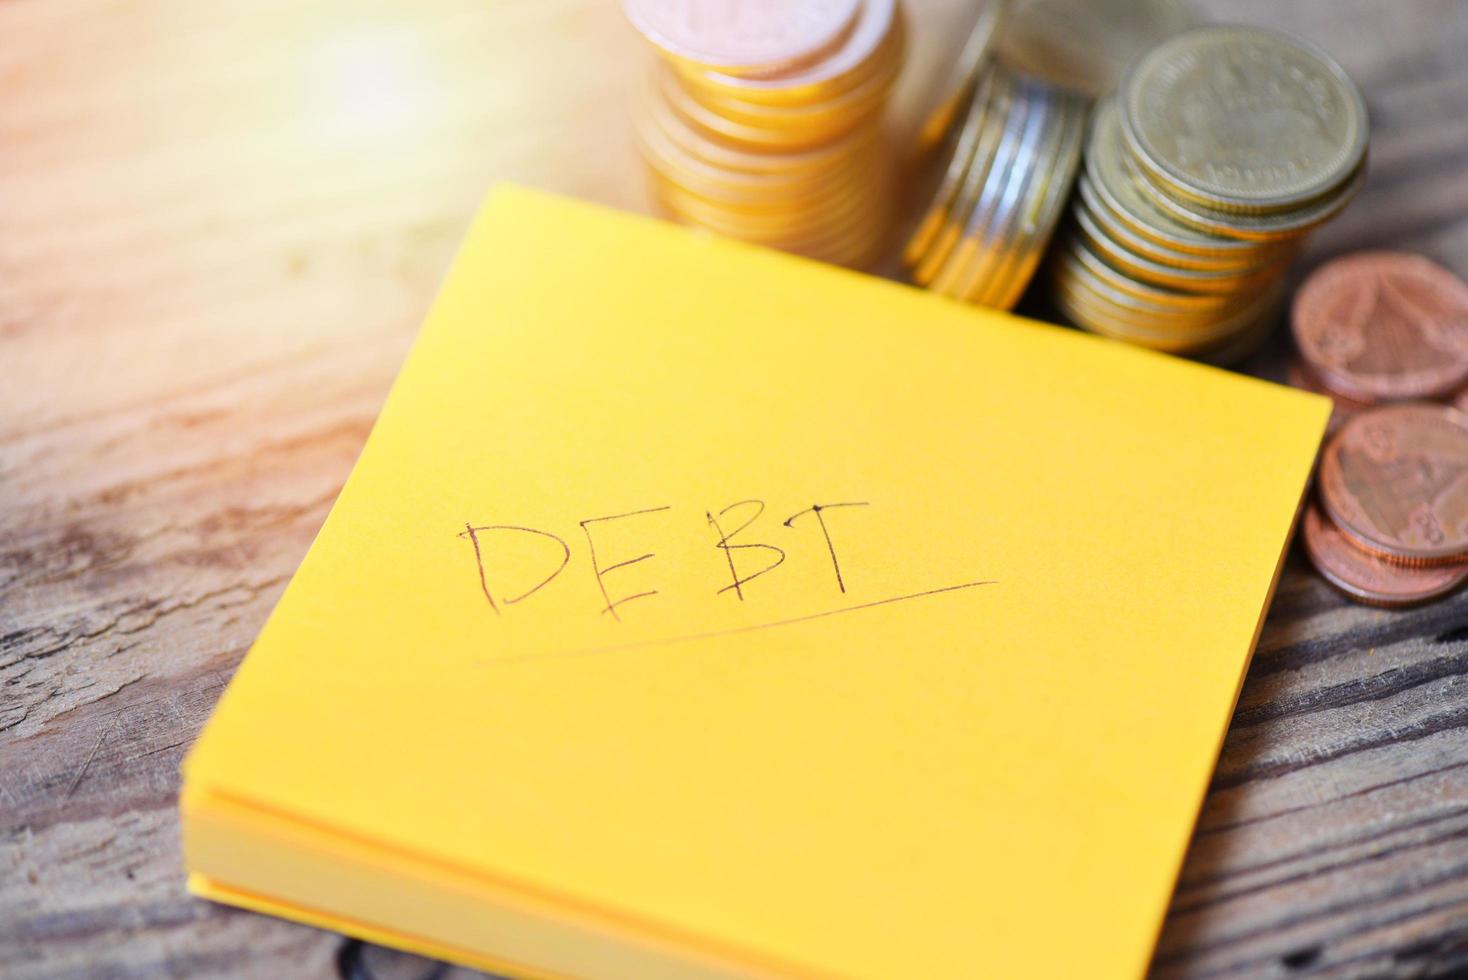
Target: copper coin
[(1395, 479), (1369, 578), (1384, 326), (876, 24), (742, 35)]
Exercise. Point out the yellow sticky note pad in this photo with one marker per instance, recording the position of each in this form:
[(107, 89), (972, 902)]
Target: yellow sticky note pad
[(695, 610)]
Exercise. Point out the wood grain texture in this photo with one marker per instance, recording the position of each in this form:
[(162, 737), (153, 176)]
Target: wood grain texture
[(219, 227)]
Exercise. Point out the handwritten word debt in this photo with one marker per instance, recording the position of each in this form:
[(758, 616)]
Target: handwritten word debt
[(746, 552)]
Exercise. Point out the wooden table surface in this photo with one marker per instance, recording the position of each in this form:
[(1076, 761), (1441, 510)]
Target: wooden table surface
[(220, 225)]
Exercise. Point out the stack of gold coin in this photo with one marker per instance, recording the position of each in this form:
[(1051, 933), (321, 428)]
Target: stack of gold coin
[(1220, 151), (1003, 181), (1390, 526), (763, 120)]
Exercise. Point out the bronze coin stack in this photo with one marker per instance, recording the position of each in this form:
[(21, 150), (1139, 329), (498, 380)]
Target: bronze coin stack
[(1222, 148), (1385, 334), (1390, 527), (1013, 146), (764, 121)]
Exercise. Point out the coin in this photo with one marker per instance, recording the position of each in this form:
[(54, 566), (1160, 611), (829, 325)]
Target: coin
[(1119, 190), (1116, 228), (747, 35), (776, 127), (970, 149), (1370, 578), (1117, 255), (1185, 267), (1097, 306), (1384, 326), (1004, 236), (1162, 297), (1026, 141), (1243, 118), (804, 167), (764, 224), (1395, 480), (848, 64), (993, 126), (1017, 129), (1147, 314), (770, 190), (989, 230), (1110, 321), (822, 114), (762, 120), (1264, 228), (760, 136), (1038, 222)]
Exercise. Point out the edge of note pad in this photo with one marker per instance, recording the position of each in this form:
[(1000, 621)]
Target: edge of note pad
[(224, 891)]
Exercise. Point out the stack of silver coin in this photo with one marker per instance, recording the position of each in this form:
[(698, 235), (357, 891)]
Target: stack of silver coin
[(1221, 150), (1003, 184)]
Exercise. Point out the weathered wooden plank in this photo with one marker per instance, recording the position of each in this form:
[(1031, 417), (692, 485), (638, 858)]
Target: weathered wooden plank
[(210, 268)]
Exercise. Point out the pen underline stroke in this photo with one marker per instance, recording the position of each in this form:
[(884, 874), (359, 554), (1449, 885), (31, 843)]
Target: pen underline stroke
[(711, 634)]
